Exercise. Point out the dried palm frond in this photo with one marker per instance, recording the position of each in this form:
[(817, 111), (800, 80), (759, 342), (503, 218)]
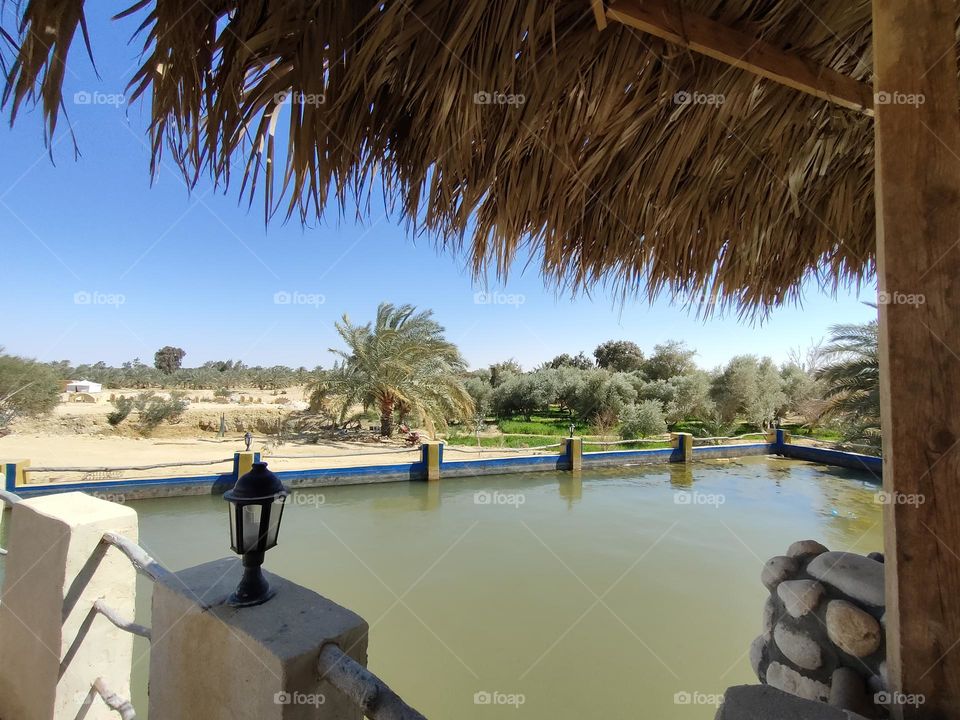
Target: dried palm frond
[(508, 126)]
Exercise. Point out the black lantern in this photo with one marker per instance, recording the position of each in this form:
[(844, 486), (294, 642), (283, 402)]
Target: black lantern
[(256, 507)]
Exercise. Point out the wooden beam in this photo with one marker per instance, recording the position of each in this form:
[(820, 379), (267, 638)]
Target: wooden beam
[(599, 14), (665, 19), (918, 256)]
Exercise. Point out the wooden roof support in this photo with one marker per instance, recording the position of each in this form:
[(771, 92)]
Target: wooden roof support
[(665, 19), (599, 14), (918, 256)]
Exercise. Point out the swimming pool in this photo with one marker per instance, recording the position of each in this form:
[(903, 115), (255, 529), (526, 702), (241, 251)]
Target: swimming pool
[(625, 592)]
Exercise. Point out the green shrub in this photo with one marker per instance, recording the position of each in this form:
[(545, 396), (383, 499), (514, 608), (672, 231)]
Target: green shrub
[(156, 410), (123, 406), (642, 420)]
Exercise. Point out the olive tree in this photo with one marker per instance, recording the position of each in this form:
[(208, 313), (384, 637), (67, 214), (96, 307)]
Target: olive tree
[(27, 388)]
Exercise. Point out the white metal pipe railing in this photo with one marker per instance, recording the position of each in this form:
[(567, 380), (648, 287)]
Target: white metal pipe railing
[(374, 698), (113, 701), (113, 616), (144, 564)]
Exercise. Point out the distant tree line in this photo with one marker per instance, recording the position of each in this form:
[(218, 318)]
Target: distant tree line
[(836, 385), (402, 368)]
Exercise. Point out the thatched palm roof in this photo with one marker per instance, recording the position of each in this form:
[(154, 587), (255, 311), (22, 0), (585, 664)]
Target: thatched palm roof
[(601, 168)]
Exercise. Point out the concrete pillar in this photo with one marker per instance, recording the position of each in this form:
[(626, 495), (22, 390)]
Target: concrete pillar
[(573, 449), (243, 463), (52, 647), (15, 474), (683, 442), (212, 661), (431, 455)]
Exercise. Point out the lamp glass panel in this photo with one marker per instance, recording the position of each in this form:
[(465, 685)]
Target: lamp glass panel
[(250, 526), (276, 513), (232, 511)]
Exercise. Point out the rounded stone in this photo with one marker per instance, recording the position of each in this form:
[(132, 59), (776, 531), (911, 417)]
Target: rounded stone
[(878, 556), (798, 647), (757, 650), (851, 629), (789, 680), (776, 570), (848, 691), (800, 596), (854, 575), (769, 617), (806, 549)]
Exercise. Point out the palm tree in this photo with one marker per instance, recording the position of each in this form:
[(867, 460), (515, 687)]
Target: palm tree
[(401, 362), (852, 379)]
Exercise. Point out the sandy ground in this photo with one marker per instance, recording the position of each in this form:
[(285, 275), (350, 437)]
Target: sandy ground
[(94, 452), (77, 435)]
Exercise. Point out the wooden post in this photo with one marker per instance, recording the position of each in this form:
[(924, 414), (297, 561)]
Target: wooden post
[(918, 227)]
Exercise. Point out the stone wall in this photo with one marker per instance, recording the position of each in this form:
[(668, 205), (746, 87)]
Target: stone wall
[(823, 635)]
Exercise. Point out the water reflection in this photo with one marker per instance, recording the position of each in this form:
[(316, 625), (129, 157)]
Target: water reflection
[(571, 488), (681, 475)]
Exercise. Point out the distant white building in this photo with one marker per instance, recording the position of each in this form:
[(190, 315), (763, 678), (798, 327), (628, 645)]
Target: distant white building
[(83, 386)]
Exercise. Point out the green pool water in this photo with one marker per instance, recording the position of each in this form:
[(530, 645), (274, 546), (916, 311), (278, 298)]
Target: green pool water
[(619, 594)]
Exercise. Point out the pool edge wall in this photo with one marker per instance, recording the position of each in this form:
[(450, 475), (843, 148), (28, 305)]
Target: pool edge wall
[(142, 489)]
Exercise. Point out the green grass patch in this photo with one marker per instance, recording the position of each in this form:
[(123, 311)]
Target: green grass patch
[(508, 441), (589, 447)]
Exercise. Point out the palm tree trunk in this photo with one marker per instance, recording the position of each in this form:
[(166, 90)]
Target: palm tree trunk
[(386, 419)]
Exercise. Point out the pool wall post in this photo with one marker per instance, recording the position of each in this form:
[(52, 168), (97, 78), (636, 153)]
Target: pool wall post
[(243, 463), (683, 443), (779, 438), (431, 455), (15, 474), (573, 449)]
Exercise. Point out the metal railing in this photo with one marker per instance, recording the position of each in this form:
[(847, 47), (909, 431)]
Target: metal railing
[(113, 701), (373, 696), (144, 564)]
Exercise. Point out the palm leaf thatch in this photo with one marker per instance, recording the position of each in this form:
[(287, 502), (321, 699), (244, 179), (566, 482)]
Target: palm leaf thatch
[(590, 162)]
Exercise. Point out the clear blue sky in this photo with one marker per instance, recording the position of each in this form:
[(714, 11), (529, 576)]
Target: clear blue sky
[(202, 272)]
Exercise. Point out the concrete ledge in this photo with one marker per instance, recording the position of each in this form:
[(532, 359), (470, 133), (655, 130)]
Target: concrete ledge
[(209, 660), (762, 702)]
